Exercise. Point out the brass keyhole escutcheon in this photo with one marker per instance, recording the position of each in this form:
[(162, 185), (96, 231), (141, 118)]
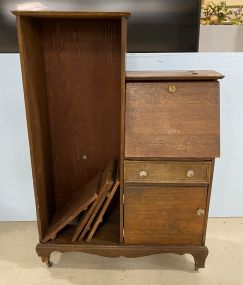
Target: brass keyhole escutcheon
[(172, 88)]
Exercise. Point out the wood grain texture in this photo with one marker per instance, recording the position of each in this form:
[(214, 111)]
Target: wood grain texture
[(71, 14), (35, 94), (78, 203), (208, 200), (107, 180), (115, 250), (123, 104), (198, 252), (173, 75), (166, 172), (180, 124), (83, 75), (107, 233), (163, 215), (98, 220), (73, 66), (71, 61)]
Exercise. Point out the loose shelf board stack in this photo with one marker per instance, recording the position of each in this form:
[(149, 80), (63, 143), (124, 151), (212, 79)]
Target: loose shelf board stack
[(108, 186), (152, 135), (79, 203), (86, 203), (103, 210)]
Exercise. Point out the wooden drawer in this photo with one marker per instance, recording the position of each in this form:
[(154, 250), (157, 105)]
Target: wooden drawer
[(164, 215), (172, 119), (166, 172)]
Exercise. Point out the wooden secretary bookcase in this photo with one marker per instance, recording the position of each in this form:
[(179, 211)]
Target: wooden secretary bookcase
[(122, 165)]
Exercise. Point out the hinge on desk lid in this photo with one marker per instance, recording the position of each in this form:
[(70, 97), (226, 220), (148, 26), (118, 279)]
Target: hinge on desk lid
[(123, 233)]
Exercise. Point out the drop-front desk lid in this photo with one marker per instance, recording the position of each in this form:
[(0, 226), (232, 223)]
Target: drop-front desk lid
[(172, 114), (173, 75)]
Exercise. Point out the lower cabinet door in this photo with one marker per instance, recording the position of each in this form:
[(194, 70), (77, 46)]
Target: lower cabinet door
[(164, 215)]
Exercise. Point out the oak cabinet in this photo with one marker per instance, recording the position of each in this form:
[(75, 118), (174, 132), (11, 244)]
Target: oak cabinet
[(160, 129)]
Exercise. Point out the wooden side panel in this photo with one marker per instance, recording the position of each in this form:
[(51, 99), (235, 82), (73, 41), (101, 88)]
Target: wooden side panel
[(166, 172), (32, 63), (164, 215), (208, 200), (83, 75), (123, 104), (183, 123)]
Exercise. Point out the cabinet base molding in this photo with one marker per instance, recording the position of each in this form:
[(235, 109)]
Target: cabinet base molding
[(199, 253)]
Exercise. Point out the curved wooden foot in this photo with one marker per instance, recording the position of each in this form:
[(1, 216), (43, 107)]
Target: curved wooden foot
[(200, 258), (46, 259)]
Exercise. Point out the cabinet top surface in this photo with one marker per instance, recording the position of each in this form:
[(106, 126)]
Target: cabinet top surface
[(173, 75), (71, 14)]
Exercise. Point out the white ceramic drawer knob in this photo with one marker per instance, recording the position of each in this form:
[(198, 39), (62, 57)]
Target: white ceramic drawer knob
[(190, 173), (142, 173), (200, 212)]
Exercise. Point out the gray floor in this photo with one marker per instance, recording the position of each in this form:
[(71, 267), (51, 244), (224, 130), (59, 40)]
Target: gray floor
[(19, 263)]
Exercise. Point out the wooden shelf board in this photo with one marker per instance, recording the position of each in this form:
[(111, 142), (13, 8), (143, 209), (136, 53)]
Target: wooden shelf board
[(74, 207), (71, 14), (173, 75), (103, 210), (107, 233), (107, 180)]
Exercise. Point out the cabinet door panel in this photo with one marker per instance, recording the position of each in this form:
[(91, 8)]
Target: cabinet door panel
[(164, 215)]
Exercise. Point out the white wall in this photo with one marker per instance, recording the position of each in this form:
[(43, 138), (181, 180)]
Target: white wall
[(16, 193), (16, 190), (221, 38)]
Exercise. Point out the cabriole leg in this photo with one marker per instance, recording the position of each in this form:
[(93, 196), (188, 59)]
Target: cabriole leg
[(46, 259), (200, 258)]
